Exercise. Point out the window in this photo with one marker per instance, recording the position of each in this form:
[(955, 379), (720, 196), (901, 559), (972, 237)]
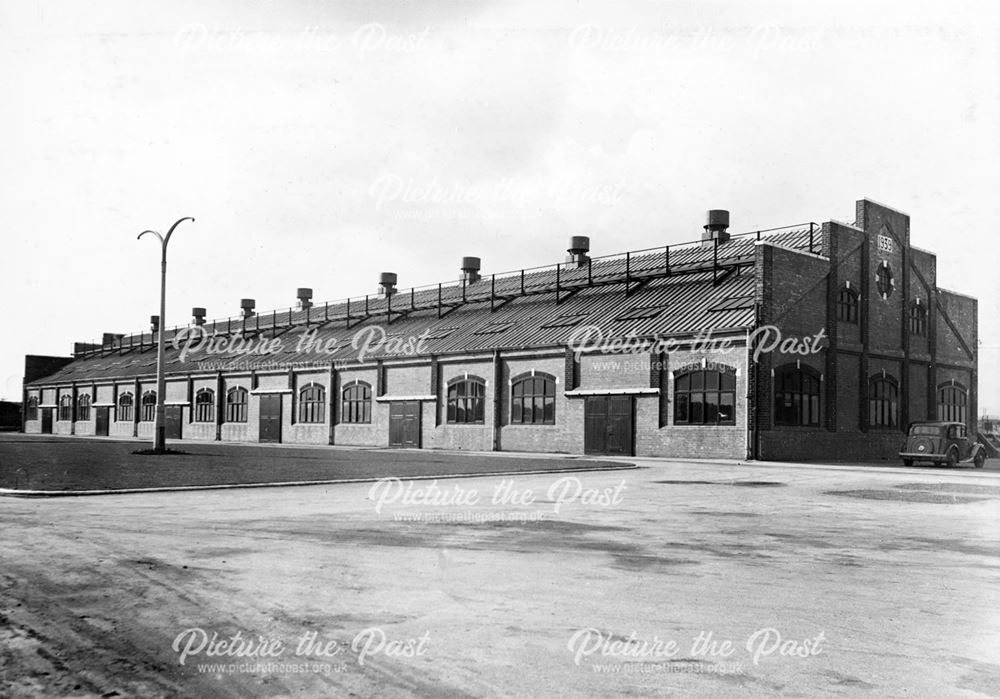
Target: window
[(705, 397), (357, 403), (953, 403), (312, 403), (148, 413), (124, 413), (31, 412), (204, 405), (466, 401), (533, 400), (847, 306), (83, 407), (236, 405), (796, 397), (439, 333), (734, 303), (66, 407), (883, 280), (494, 328), (882, 402), (918, 319)]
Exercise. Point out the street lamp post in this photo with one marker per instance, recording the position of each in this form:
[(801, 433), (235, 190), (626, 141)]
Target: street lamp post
[(160, 436)]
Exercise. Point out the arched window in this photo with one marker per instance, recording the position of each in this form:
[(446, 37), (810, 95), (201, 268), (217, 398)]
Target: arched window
[(124, 412), (204, 405), (533, 400), (953, 401), (466, 400), (312, 403), (148, 413), (356, 406), (66, 407), (883, 401), (705, 397), (31, 410), (83, 407), (236, 405), (918, 318), (796, 396), (847, 305)]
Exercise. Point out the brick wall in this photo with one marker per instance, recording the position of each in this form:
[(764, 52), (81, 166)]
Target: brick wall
[(566, 435), (374, 433), (715, 441)]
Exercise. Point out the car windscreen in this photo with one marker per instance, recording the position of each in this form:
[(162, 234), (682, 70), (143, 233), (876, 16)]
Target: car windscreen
[(926, 429)]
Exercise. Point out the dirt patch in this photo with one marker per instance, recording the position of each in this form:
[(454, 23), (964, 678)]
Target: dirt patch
[(906, 496), (967, 488), (744, 484)]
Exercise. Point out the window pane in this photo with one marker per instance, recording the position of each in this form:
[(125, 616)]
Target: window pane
[(728, 382), (697, 380), (682, 407), (711, 380), (697, 408), (727, 408), (550, 408), (711, 407)]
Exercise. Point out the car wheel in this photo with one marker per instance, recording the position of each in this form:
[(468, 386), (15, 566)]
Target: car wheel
[(952, 458), (980, 459), (907, 462)]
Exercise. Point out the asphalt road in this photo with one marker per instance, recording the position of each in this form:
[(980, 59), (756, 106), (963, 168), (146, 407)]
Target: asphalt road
[(61, 464), (825, 582)]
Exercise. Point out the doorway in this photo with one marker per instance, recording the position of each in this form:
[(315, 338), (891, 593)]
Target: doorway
[(102, 421), (270, 418), (404, 424), (609, 425)]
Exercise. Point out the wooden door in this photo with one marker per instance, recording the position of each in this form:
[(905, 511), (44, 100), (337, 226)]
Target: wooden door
[(270, 417), (609, 427), (47, 420), (103, 420), (404, 424), (172, 421)]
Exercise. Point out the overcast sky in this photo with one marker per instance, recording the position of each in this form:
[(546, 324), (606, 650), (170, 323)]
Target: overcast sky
[(319, 143)]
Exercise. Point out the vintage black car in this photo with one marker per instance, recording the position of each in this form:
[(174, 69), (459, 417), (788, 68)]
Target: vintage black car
[(941, 443)]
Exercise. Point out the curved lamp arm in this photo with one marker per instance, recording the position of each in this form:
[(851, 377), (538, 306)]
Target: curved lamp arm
[(165, 240), (176, 223)]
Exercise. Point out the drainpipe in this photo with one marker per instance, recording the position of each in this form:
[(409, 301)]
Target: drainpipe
[(220, 405), (753, 425), (497, 381)]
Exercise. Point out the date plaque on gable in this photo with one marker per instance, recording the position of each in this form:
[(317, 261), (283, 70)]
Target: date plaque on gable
[(884, 243)]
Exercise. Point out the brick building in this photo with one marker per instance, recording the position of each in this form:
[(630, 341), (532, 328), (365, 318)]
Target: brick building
[(800, 342)]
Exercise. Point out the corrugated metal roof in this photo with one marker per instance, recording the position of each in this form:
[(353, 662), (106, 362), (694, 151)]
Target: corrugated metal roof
[(690, 303)]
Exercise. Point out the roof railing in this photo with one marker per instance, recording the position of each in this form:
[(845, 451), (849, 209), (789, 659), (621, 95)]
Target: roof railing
[(564, 281)]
